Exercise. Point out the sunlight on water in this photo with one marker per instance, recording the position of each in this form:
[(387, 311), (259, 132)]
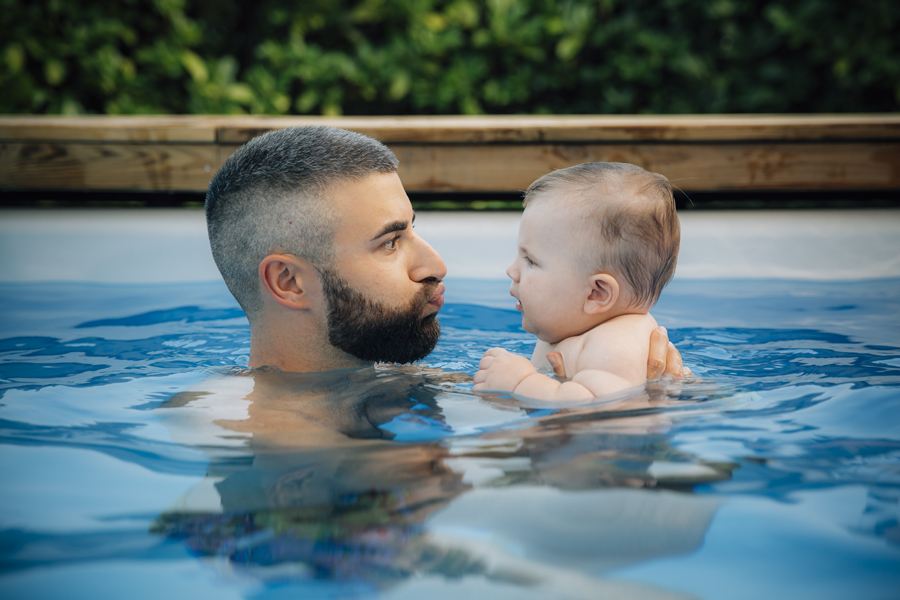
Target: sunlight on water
[(140, 458)]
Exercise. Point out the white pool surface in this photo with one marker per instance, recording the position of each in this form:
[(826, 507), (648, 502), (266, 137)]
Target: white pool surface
[(170, 245)]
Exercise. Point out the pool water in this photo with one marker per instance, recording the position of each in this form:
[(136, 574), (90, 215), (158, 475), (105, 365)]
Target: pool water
[(140, 460)]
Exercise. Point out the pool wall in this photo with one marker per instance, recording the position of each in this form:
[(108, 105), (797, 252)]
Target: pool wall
[(170, 245)]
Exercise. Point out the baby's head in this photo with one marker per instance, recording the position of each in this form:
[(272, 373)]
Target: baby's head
[(609, 229)]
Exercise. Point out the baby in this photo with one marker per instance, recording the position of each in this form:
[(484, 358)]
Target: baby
[(597, 244)]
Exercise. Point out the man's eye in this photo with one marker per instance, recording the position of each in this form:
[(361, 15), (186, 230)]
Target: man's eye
[(391, 244)]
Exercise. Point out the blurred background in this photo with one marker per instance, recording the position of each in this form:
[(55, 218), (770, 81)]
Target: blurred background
[(421, 57)]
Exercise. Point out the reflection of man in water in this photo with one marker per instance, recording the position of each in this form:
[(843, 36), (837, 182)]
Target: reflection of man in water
[(313, 234), (553, 507)]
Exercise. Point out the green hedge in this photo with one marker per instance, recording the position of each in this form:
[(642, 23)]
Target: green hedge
[(448, 57)]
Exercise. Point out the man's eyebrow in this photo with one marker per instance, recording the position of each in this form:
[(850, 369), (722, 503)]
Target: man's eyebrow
[(392, 227)]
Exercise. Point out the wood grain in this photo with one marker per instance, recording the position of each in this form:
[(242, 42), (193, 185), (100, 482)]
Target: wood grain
[(126, 167), (470, 154), (530, 129), (102, 128), (767, 166), (461, 129)]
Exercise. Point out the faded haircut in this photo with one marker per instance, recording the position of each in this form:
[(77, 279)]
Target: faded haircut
[(629, 225), (271, 197)]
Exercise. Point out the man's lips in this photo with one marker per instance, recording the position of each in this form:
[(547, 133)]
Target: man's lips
[(438, 299)]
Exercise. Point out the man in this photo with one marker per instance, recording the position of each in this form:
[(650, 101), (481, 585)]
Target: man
[(313, 234)]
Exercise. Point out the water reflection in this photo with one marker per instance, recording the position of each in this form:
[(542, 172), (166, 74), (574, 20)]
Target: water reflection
[(312, 478)]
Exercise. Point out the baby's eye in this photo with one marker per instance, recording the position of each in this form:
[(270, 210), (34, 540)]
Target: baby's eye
[(528, 261)]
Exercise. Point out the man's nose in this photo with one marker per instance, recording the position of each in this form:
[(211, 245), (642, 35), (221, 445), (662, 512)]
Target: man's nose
[(428, 263)]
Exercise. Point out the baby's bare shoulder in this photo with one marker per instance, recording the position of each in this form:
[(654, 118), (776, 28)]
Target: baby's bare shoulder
[(620, 345), (622, 325)]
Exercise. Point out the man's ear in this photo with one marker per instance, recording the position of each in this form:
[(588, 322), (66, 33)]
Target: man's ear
[(604, 294), (288, 280)]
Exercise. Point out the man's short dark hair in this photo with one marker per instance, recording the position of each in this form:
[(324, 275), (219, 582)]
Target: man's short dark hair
[(271, 197)]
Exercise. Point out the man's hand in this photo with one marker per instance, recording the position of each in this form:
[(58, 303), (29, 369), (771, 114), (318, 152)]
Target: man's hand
[(556, 361), (500, 371), (664, 359)]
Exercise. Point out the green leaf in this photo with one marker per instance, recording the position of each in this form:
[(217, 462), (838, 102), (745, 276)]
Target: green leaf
[(54, 72), (195, 66), (15, 58)]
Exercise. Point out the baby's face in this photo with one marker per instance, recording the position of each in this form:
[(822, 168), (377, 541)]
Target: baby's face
[(547, 280)]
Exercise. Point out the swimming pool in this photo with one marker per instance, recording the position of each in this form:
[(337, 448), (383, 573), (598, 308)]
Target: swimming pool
[(776, 473)]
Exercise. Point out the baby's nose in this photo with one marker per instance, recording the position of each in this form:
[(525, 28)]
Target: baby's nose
[(512, 272)]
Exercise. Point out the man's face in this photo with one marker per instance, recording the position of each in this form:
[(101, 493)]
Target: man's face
[(383, 289)]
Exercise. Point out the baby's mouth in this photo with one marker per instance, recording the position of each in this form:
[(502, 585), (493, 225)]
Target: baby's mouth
[(512, 292), (518, 302)]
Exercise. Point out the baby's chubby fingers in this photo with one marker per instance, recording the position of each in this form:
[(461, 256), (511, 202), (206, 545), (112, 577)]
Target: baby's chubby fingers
[(488, 357), (501, 371)]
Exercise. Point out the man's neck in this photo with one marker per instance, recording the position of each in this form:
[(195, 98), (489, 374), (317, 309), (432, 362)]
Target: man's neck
[(298, 353)]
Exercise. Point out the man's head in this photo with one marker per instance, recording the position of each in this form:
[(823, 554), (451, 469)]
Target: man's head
[(271, 197), (312, 232), (593, 237)]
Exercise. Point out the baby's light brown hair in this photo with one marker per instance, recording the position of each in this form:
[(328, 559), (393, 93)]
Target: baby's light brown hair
[(628, 222)]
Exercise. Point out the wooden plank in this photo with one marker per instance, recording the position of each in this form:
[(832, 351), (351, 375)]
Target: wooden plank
[(129, 167), (475, 168), (460, 129), (102, 128), (501, 154), (503, 168), (550, 129)]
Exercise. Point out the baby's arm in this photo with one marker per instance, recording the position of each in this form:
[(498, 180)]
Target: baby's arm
[(613, 358), (501, 371)]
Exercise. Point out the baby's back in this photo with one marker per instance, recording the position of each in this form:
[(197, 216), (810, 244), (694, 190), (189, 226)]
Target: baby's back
[(612, 355)]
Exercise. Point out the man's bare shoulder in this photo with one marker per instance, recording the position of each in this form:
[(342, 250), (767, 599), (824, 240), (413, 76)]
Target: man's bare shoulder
[(195, 417)]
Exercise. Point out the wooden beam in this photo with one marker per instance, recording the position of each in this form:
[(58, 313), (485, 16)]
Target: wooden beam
[(546, 129), (102, 128), (460, 129), (693, 167), (123, 167), (471, 154), (698, 167)]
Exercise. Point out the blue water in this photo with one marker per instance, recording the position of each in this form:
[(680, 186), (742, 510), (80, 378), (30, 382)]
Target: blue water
[(774, 473)]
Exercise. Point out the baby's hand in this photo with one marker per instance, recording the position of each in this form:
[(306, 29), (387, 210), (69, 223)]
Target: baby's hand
[(501, 371)]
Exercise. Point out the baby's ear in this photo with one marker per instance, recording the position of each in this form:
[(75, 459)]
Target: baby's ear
[(604, 294)]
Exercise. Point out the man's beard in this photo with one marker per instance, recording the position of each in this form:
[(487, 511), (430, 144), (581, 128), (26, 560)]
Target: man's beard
[(374, 332)]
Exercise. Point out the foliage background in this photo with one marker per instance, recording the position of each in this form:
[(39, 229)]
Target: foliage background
[(449, 56)]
